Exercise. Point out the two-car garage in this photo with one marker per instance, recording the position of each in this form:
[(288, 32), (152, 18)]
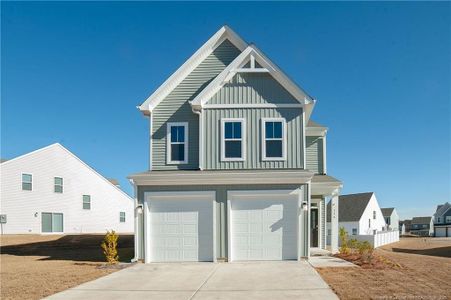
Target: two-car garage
[(259, 225)]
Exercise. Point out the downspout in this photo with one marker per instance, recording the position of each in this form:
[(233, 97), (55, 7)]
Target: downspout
[(137, 225), (201, 136)]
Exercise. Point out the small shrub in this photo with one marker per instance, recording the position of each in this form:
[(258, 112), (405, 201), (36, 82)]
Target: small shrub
[(366, 251), (353, 245), (109, 246), (344, 249)]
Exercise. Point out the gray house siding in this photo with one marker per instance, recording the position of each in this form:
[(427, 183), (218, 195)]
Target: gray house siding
[(221, 205), (254, 88), (175, 108), (314, 154), (212, 138)]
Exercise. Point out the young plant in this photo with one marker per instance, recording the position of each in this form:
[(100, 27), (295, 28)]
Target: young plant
[(366, 251), (109, 246), (344, 249)]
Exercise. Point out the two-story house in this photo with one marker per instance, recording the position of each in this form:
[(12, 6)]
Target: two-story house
[(237, 168), (442, 220), (422, 226), (391, 217)]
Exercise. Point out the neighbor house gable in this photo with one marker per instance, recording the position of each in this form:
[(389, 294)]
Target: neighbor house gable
[(223, 34)]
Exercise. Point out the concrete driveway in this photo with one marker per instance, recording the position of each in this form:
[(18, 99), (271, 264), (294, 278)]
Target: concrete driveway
[(250, 280)]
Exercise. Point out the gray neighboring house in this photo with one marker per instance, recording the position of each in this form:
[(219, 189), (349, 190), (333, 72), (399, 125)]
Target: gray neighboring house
[(391, 217), (422, 226), (237, 168), (442, 220)]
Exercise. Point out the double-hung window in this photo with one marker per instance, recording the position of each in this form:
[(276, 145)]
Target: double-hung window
[(122, 217), (27, 182), (233, 139), (177, 143), (86, 202), (58, 185), (274, 139)]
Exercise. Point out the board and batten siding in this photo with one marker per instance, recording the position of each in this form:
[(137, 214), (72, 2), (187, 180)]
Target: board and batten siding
[(220, 204), (314, 154), (175, 108), (253, 159), (252, 88)]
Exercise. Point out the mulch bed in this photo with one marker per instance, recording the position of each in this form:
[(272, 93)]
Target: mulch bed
[(377, 262)]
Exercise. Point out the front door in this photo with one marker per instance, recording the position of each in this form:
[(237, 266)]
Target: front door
[(313, 228)]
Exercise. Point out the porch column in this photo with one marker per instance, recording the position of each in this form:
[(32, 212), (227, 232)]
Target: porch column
[(334, 223)]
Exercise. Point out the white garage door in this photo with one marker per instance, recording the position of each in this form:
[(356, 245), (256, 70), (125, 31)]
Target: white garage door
[(180, 226), (263, 226), (440, 231)]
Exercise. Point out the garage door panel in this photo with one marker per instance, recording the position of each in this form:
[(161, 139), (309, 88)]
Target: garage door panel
[(264, 227), (181, 229)]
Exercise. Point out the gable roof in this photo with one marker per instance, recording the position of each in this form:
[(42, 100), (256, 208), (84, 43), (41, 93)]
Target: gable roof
[(442, 209), (231, 70), (387, 211), (59, 146), (195, 60), (421, 220), (351, 207)]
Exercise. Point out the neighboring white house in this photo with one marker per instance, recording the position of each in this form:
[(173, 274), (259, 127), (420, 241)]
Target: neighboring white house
[(361, 217), (391, 217), (50, 190)]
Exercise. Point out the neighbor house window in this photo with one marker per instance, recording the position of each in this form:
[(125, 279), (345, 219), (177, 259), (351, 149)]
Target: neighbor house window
[(369, 223), (354, 231), (27, 182), (448, 219), (122, 217), (274, 139), (86, 202), (58, 185), (233, 139), (374, 214), (424, 226), (329, 231), (439, 220), (177, 143), (387, 220)]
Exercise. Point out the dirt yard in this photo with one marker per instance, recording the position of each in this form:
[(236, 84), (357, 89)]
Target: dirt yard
[(422, 271), (35, 266)]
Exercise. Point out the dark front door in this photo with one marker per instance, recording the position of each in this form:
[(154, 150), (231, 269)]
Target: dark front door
[(314, 228)]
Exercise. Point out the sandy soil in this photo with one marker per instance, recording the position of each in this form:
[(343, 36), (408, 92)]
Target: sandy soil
[(424, 273), (35, 266)]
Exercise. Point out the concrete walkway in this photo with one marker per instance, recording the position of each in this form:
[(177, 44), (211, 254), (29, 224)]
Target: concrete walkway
[(250, 280), (329, 262)]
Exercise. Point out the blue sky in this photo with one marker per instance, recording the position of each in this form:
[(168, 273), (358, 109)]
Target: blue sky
[(74, 72)]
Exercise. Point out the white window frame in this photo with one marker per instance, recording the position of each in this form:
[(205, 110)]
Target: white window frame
[(83, 202), (61, 185), (242, 139), (22, 182), (120, 217), (284, 139), (168, 143)]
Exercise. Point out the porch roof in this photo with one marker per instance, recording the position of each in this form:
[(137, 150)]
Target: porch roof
[(325, 185), (197, 177)]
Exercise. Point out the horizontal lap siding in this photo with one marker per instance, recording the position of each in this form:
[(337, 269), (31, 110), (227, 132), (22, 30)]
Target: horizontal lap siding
[(314, 154), (175, 107), (252, 88), (253, 138)]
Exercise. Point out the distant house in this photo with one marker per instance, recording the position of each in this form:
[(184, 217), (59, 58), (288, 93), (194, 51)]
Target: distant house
[(422, 226), (391, 217), (405, 226), (442, 220), (359, 214), (50, 190)]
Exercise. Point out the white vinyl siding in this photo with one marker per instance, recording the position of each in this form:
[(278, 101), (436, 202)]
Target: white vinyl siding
[(58, 185), (274, 139), (177, 143), (233, 139), (87, 202), (27, 182)]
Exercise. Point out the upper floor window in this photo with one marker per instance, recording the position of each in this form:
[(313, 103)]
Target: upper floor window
[(233, 139), (439, 220), (374, 214), (27, 182), (86, 202), (122, 217), (274, 139), (424, 226), (177, 143), (448, 219), (387, 220), (58, 185)]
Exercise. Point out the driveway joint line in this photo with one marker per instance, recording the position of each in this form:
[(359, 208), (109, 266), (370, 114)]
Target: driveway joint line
[(205, 281)]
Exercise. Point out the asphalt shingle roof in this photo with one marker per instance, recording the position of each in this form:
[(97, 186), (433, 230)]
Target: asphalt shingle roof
[(441, 209), (421, 220), (387, 211), (351, 207)]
